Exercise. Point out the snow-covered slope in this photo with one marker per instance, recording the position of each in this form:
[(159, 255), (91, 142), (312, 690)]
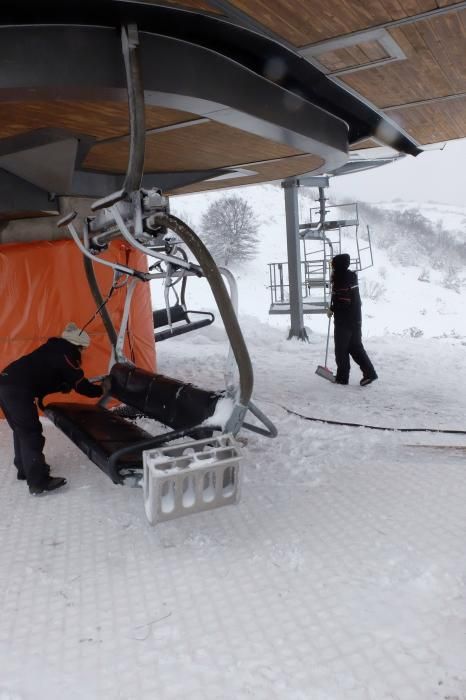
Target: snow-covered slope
[(404, 304), (451, 217)]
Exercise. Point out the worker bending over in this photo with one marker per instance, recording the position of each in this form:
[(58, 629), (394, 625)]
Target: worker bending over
[(53, 367)]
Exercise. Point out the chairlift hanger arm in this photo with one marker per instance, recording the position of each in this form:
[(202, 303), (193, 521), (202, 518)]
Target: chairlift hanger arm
[(269, 431), (179, 275), (229, 373), (163, 257), (114, 221), (230, 321), (68, 221), (119, 346), (135, 87)]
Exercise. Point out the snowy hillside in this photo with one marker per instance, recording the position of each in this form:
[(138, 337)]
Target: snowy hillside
[(404, 304), (452, 218)]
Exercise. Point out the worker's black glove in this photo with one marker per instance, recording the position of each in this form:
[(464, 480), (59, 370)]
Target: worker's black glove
[(106, 385)]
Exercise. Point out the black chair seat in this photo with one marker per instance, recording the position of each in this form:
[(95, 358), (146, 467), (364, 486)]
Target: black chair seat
[(182, 321), (99, 433)]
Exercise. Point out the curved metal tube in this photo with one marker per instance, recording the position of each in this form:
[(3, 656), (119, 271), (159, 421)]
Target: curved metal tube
[(142, 445), (229, 373), (107, 263), (225, 306), (270, 429), (135, 169), (118, 350), (95, 291), (124, 231)]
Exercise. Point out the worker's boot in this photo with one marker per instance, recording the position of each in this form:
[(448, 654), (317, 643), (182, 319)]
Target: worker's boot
[(368, 379), (50, 484)]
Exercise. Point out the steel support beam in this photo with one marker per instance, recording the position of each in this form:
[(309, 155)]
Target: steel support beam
[(307, 181), (238, 46), (241, 99), (355, 166), (19, 196), (88, 184), (92, 56), (50, 166), (293, 245)]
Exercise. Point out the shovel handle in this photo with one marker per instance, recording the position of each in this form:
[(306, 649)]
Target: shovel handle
[(328, 338)]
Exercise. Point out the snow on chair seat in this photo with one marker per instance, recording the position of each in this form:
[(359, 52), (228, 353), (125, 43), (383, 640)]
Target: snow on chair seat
[(191, 477), (167, 400)]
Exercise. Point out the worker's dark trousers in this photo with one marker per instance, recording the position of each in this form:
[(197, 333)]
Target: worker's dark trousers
[(348, 341), (20, 410)]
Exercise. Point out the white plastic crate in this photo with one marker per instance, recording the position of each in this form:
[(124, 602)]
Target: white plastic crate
[(191, 477)]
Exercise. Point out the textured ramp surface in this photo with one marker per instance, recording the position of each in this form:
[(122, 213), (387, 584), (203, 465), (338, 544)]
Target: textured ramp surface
[(335, 578)]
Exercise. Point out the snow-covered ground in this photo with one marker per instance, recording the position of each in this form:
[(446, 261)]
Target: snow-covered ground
[(341, 574)]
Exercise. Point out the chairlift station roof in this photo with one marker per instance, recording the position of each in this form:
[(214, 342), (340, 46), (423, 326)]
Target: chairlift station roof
[(236, 92)]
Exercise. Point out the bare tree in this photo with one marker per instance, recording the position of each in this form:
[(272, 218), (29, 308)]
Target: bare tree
[(229, 230), (452, 279), (424, 275), (372, 289)]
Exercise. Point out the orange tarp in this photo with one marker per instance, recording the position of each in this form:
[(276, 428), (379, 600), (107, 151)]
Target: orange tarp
[(43, 286)]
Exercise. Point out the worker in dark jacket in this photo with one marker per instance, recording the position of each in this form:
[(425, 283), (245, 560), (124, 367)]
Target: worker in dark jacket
[(346, 309), (53, 367)]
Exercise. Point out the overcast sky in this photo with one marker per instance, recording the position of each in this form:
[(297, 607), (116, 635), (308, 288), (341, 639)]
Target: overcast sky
[(437, 176)]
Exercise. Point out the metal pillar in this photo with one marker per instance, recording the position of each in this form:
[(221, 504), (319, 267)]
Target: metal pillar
[(322, 200), (297, 329)]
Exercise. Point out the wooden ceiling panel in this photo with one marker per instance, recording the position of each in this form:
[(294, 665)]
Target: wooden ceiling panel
[(435, 65), (358, 55), (201, 147), (97, 119), (431, 123), (301, 22), (186, 4), (266, 172)]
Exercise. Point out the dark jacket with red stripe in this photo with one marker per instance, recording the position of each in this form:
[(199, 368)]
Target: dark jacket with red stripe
[(52, 367), (346, 301)]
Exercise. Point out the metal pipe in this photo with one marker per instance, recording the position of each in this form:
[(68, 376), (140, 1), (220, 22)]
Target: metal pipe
[(141, 446), (227, 312), (124, 231), (270, 431), (131, 55), (118, 349), (229, 374), (322, 211), (95, 291), (108, 263)]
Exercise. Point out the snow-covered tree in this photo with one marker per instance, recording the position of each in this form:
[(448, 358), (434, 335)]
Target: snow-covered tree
[(229, 228)]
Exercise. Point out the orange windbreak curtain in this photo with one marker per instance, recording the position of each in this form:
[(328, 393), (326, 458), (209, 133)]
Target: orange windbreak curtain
[(43, 286)]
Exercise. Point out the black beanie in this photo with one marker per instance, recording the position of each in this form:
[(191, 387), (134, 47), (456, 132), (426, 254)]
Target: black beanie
[(341, 262)]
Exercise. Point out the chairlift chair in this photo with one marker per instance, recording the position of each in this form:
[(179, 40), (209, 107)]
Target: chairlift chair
[(177, 319)]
